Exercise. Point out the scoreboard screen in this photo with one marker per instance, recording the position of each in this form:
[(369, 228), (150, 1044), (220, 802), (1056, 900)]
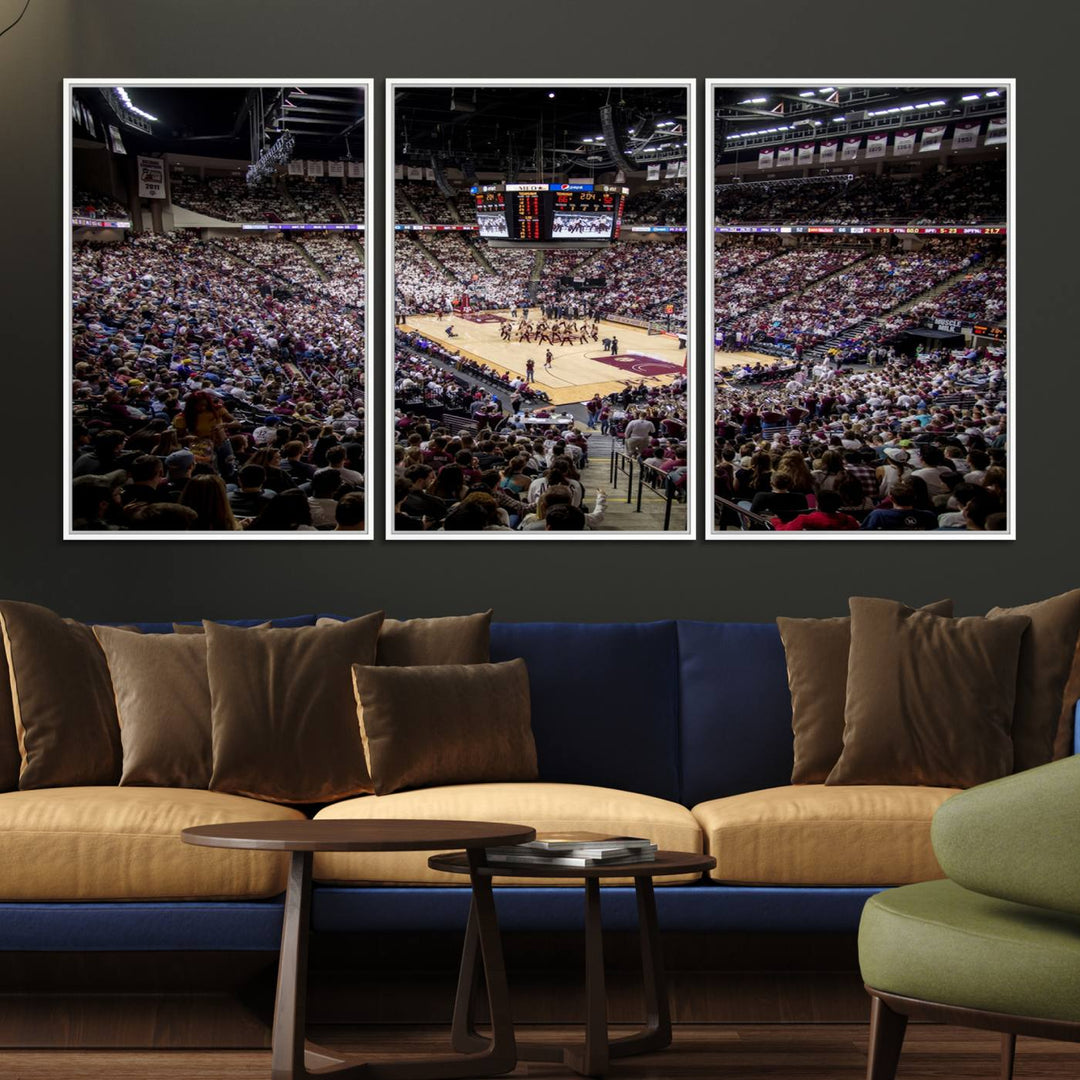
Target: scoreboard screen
[(583, 215), (549, 213), (491, 214), (527, 218)]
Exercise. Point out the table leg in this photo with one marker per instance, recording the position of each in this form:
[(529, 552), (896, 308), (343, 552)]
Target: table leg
[(463, 1034), (592, 1059), (287, 1056), (657, 1031), (294, 1059)]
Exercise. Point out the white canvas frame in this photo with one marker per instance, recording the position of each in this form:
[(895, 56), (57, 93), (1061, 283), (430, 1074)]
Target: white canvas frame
[(711, 532), (370, 479), (690, 533)]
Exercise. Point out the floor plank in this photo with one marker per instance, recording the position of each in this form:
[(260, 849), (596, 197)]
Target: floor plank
[(730, 1052)]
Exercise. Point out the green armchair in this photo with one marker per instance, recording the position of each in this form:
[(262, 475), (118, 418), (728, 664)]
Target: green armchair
[(997, 944)]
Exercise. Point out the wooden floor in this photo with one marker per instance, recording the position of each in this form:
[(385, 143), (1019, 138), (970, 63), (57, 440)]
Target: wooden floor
[(723, 1052), (574, 376)]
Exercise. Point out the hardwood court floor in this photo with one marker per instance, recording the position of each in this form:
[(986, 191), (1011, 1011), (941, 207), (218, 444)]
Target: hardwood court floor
[(699, 1052), (574, 376)]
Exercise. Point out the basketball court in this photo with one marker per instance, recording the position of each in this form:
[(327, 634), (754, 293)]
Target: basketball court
[(577, 371)]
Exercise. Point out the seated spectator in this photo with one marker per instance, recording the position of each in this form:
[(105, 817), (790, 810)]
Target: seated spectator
[(780, 501), (162, 517), (287, 511), (350, 512), (564, 518), (902, 515), (248, 498), (827, 516), (206, 495), (323, 498)]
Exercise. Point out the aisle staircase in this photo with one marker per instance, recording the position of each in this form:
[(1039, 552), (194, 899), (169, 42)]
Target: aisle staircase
[(478, 254), (409, 205), (810, 284), (861, 329), (537, 274), (315, 264), (295, 212), (432, 257)]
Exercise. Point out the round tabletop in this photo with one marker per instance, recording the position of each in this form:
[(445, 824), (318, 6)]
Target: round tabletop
[(376, 834), (666, 862)]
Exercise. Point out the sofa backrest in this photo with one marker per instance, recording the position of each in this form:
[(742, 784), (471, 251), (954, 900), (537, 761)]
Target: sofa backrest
[(167, 627), (735, 710), (605, 701)]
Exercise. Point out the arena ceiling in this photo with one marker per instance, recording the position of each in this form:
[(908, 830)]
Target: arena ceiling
[(537, 128), (219, 121), (748, 116)]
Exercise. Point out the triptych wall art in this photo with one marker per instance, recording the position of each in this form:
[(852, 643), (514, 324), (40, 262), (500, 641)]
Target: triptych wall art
[(541, 365)]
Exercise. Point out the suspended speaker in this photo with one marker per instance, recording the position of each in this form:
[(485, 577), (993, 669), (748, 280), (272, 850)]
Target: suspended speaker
[(613, 139), (441, 181)]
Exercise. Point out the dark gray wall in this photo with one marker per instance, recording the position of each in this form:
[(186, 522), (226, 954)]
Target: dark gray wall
[(309, 39)]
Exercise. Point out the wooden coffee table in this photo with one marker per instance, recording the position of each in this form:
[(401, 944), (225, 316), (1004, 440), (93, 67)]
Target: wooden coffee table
[(294, 1059), (591, 1058)]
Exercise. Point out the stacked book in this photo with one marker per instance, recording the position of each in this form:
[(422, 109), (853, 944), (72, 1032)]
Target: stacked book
[(575, 849)]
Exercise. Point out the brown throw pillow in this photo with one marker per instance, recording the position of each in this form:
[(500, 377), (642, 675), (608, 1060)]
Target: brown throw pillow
[(9, 739), (929, 700), (1046, 657), (283, 713), (197, 628), (817, 662), (62, 697), (447, 724), (163, 703), (454, 639)]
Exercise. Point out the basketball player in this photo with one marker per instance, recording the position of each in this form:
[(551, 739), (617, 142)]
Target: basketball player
[(547, 360)]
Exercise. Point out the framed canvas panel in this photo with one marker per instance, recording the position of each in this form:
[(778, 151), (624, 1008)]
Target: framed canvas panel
[(216, 277), (541, 346), (860, 316)]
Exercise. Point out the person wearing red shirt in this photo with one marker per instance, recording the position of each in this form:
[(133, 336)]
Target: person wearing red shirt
[(826, 516)]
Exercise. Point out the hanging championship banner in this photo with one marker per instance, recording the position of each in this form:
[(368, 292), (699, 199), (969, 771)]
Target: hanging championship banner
[(399, 172), (296, 168), (429, 174), (785, 156), (903, 143), (672, 170), (996, 132), (115, 141), (354, 169), (335, 168), (931, 138), (875, 145), (315, 168), (851, 149), (151, 178), (806, 153), (653, 172), (828, 151), (765, 159), (416, 172), (683, 170), (965, 135)]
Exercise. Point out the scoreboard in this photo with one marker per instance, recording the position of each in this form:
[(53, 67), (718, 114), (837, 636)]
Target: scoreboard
[(549, 213)]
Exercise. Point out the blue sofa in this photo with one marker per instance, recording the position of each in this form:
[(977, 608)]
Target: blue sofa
[(681, 711)]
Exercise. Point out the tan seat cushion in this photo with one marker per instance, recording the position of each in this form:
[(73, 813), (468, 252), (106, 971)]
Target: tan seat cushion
[(546, 807), (810, 834), (123, 843)]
